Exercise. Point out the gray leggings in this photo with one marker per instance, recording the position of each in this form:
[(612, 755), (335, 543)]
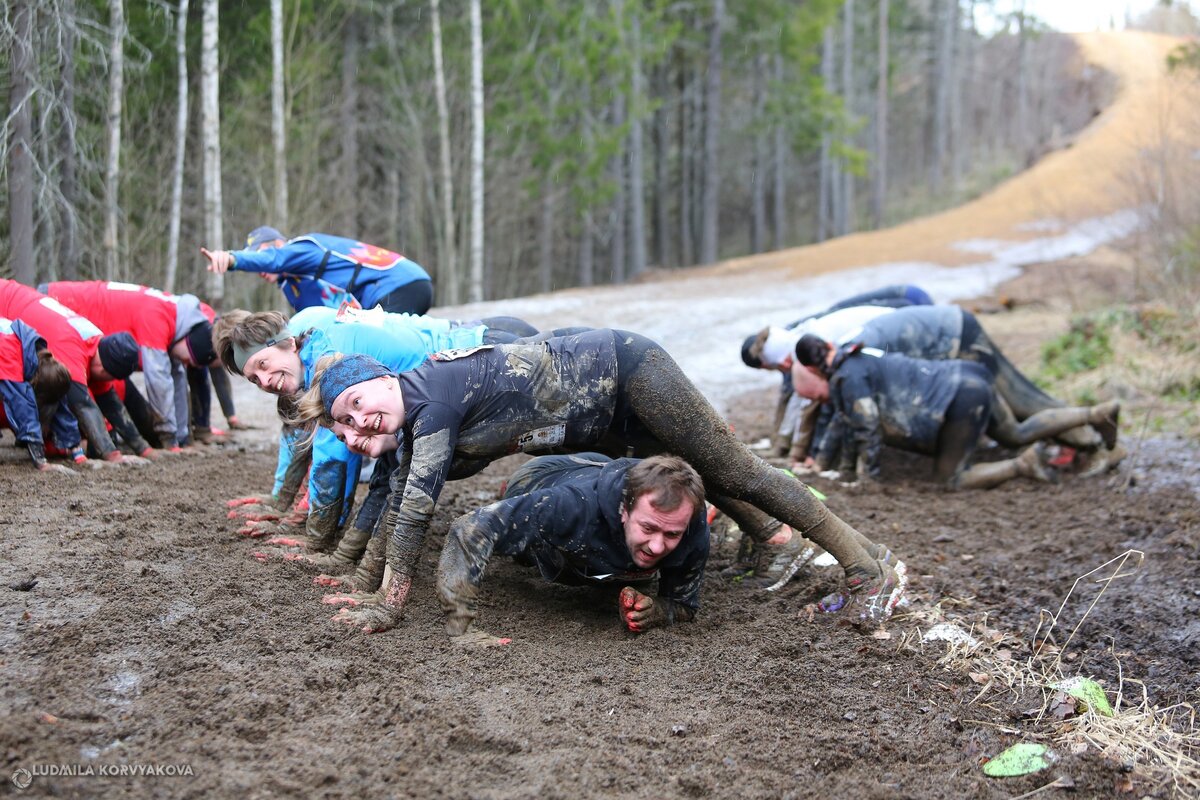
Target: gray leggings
[(660, 410)]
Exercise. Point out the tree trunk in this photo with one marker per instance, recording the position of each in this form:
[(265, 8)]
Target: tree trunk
[(662, 179), (712, 130), (943, 81), (828, 180), (68, 244), (210, 135), (181, 120), (112, 161), (846, 211), (20, 159), (448, 269), (879, 184), (348, 125), (616, 248), (1022, 138), (758, 178), (476, 293), (637, 183), (686, 188), (546, 238), (278, 119), (780, 166)]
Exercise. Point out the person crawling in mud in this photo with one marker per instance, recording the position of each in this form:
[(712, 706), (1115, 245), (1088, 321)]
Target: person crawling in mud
[(943, 332), (586, 520), (612, 391), (936, 407)]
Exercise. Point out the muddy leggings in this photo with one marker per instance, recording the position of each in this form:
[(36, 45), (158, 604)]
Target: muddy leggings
[(502, 330), (660, 410), (1021, 394), (967, 417), (201, 396)]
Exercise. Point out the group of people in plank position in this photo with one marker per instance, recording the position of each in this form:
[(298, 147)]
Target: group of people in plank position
[(628, 454)]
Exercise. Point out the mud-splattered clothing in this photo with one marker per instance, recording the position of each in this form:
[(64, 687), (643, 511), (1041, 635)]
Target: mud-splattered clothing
[(887, 398), (612, 391), (565, 519), (400, 342)]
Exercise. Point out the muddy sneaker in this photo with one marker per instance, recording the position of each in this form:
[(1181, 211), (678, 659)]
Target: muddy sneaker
[(1031, 463), (1105, 418), (870, 600), (775, 565), (743, 565), (1101, 461)]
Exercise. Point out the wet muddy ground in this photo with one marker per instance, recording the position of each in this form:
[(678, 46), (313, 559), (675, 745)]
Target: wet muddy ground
[(137, 631), (152, 637)]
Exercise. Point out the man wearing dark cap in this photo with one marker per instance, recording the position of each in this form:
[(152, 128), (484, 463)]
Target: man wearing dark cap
[(171, 333), (317, 269)]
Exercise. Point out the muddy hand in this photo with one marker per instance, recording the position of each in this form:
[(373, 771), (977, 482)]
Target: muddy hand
[(249, 500), (637, 610), (352, 599), (369, 618), (56, 469), (476, 638)]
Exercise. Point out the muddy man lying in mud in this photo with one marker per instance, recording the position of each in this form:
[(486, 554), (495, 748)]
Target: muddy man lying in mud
[(586, 520), (936, 407), (611, 391)]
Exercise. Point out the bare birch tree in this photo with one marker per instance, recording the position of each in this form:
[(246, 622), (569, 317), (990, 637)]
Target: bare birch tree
[(637, 180), (68, 180), (476, 288), (210, 135), (845, 215), (278, 118), (448, 268), (20, 158), (181, 121), (112, 161), (879, 162)]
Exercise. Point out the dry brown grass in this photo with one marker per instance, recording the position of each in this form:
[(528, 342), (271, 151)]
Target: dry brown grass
[(1159, 746)]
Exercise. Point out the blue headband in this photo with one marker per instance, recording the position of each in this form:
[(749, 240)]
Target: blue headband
[(346, 373)]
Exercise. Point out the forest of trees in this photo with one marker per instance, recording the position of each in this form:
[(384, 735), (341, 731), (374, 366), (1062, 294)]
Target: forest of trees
[(509, 147)]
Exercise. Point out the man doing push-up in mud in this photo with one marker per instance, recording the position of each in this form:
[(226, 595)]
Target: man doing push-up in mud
[(586, 520)]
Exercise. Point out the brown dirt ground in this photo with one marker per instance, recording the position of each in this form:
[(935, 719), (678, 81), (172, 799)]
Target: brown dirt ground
[(152, 637)]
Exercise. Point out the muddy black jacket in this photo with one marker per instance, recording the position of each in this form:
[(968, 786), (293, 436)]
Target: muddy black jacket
[(917, 331), (889, 398), (569, 526), (465, 408)]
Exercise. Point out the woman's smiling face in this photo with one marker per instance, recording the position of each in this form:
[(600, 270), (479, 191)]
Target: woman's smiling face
[(370, 408)]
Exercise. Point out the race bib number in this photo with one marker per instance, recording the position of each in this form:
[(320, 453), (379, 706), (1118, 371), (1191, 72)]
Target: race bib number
[(460, 352), (542, 438)]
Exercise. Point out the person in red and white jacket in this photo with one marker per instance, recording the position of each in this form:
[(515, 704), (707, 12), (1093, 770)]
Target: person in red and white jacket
[(93, 362), (171, 332)]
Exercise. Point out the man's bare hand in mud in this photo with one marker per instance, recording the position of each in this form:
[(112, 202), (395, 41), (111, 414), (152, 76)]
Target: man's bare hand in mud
[(369, 617), (56, 469), (255, 514), (806, 467), (132, 461), (638, 611)]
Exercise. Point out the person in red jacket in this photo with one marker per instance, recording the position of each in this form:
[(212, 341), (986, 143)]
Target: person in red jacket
[(93, 362), (171, 332)]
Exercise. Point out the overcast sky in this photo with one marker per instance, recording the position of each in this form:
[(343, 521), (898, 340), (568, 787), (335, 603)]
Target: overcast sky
[(1086, 15)]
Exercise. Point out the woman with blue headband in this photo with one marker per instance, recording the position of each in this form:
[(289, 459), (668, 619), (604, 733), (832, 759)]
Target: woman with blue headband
[(611, 391)]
